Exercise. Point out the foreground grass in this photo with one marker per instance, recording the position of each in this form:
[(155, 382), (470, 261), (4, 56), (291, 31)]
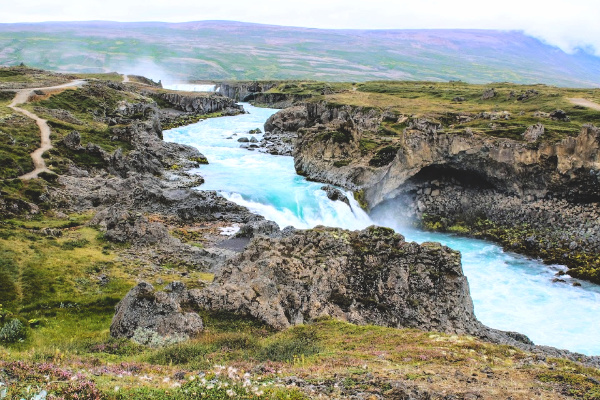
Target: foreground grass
[(328, 358)]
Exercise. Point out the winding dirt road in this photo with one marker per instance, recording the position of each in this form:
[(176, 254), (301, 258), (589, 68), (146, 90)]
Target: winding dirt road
[(125, 78), (22, 97), (585, 103)]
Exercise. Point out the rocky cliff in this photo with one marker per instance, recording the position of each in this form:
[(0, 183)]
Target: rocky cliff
[(256, 94), (366, 277), (241, 90), (459, 176), (198, 104)]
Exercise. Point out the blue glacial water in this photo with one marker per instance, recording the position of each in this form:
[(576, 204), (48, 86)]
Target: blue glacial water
[(509, 292)]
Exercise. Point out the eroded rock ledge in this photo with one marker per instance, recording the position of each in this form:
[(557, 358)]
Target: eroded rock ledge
[(460, 178), (364, 277)]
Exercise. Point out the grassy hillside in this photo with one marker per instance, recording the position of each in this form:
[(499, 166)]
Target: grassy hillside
[(230, 50)]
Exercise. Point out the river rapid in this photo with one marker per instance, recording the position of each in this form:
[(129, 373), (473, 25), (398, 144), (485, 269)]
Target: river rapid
[(509, 291)]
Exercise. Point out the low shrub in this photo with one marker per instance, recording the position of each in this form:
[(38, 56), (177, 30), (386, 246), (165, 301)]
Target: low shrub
[(13, 331), (304, 342), (147, 337)]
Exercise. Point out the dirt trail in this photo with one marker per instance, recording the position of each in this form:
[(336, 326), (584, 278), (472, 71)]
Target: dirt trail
[(585, 103), (22, 97), (125, 78)]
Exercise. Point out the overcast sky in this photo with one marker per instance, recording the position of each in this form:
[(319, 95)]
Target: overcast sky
[(567, 24)]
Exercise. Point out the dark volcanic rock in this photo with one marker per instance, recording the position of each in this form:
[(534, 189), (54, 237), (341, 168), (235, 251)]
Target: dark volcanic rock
[(560, 115), (161, 312), (199, 103), (365, 277), (259, 228), (335, 194), (73, 141)]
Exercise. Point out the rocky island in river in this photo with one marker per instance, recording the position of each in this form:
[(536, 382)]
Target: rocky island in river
[(116, 282)]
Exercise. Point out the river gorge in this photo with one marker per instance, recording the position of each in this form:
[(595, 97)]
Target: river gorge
[(509, 291)]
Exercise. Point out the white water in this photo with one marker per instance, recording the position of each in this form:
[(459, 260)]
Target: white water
[(509, 292), (190, 87)]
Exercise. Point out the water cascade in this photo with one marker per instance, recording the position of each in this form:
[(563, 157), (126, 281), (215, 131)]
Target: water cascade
[(510, 292), (191, 87)]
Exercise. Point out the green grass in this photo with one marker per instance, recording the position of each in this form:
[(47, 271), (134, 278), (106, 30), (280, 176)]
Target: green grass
[(109, 76), (56, 280), (19, 136)]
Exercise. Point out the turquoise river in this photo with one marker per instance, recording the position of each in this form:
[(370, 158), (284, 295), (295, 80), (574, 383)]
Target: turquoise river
[(510, 292)]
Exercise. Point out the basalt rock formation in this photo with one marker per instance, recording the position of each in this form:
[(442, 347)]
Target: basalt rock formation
[(198, 104), (365, 277), (241, 91), (255, 93), (461, 177), (371, 276), (160, 312)]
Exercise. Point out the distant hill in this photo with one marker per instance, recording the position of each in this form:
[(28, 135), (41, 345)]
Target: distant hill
[(219, 50)]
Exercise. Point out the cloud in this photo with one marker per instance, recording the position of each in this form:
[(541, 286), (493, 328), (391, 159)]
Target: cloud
[(568, 25)]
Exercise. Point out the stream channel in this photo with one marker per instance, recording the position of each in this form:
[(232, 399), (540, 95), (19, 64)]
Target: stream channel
[(509, 291)]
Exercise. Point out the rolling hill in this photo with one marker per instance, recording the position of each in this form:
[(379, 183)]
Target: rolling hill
[(220, 50)]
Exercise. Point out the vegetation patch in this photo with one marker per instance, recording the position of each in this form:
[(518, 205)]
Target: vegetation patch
[(384, 156)]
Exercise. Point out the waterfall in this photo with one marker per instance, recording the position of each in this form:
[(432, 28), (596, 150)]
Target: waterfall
[(509, 292)]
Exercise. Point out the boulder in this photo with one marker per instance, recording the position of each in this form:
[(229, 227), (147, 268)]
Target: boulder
[(243, 140), (259, 228), (73, 141), (160, 312), (488, 94), (335, 194), (560, 115), (534, 132)]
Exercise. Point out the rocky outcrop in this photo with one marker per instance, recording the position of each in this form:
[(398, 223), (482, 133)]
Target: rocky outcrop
[(73, 141), (60, 114), (279, 143), (328, 135), (119, 225), (160, 312), (335, 194), (488, 94), (255, 93), (532, 180), (371, 276), (364, 277), (276, 100), (240, 91), (534, 133), (259, 228), (198, 104), (555, 230)]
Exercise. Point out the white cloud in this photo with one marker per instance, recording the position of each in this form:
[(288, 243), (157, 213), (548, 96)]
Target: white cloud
[(565, 24)]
